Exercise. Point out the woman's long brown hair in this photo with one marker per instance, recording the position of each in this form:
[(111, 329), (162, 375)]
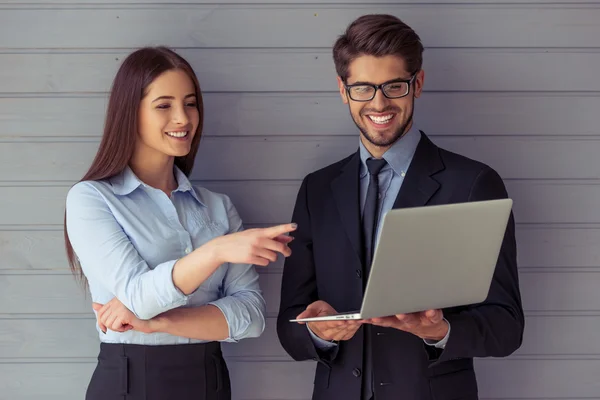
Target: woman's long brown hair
[(136, 72)]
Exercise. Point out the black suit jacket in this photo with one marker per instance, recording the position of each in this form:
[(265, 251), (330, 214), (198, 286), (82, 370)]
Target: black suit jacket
[(325, 264)]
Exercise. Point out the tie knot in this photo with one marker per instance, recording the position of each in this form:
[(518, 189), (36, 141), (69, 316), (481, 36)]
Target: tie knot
[(375, 165)]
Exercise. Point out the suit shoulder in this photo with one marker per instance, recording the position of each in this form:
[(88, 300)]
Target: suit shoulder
[(459, 163), (326, 174), (481, 180)]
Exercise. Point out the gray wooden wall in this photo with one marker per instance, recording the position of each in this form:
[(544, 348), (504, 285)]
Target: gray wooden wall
[(514, 85)]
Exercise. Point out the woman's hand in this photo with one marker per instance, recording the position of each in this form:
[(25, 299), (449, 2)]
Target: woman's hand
[(116, 317), (257, 246)]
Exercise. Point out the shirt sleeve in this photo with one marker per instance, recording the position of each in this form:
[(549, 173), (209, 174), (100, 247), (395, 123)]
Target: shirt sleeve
[(108, 257), (242, 302)]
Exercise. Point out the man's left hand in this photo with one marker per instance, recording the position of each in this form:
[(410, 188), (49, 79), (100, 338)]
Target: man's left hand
[(429, 325)]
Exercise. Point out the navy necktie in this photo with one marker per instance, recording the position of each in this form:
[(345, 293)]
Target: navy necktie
[(370, 220), (371, 209)]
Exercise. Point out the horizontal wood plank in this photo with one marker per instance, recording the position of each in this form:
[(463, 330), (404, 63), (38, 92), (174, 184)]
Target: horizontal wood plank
[(272, 202), (307, 70), (511, 378), (551, 246), (541, 291), (309, 114), (297, 26), (96, 3), (48, 381), (46, 338), (498, 379), (292, 158), (27, 251)]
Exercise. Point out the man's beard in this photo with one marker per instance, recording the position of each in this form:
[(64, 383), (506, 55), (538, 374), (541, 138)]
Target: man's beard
[(383, 142)]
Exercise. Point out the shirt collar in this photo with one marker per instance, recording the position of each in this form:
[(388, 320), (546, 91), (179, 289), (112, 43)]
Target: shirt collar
[(126, 182), (398, 156)]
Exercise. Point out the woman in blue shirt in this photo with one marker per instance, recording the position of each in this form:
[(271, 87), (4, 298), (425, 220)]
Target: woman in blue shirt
[(168, 264)]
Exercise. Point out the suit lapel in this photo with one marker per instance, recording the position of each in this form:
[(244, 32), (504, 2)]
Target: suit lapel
[(417, 189), (345, 188), (419, 185)]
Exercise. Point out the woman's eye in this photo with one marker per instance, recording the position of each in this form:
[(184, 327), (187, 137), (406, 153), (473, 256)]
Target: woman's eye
[(191, 104), (163, 106)]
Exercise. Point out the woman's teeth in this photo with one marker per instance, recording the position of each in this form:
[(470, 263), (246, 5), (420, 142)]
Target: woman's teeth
[(177, 134)]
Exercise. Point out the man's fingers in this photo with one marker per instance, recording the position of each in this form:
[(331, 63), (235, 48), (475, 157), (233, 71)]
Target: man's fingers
[(408, 319), (385, 322), (321, 308), (277, 230), (401, 317), (308, 313), (313, 310), (328, 330), (346, 331), (434, 316)]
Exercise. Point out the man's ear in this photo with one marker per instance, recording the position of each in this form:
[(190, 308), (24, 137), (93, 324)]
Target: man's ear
[(418, 83), (342, 89)]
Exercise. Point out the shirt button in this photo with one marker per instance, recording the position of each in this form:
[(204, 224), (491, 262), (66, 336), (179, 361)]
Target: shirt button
[(187, 250), (358, 273), (356, 372)]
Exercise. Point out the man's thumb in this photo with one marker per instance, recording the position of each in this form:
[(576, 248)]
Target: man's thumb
[(310, 312), (97, 306)]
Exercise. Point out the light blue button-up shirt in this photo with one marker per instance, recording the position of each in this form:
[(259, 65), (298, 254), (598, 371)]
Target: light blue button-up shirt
[(128, 236), (391, 177)]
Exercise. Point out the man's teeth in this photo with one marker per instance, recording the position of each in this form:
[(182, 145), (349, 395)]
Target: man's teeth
[(177, 134), (381, 120)]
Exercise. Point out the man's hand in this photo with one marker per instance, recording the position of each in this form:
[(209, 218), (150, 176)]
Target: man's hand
[(429, 325), (329, 330), (116, 317)]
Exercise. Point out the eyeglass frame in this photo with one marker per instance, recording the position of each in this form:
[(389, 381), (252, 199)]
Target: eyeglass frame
[(380, 87)]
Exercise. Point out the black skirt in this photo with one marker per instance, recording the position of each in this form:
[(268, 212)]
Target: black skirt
[(165, 372)]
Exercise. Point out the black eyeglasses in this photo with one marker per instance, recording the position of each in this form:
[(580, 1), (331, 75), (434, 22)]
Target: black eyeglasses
[(395, 89)]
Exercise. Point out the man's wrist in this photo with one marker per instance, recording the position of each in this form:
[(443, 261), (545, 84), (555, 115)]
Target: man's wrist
[(314, 332), (439, 332)]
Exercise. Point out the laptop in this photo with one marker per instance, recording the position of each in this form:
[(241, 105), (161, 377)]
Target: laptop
[(432, 257)]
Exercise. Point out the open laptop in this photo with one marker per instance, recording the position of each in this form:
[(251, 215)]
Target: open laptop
[(432, 257)]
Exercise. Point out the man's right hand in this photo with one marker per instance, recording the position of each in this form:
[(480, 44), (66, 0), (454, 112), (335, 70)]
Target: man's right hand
[(329, 330)]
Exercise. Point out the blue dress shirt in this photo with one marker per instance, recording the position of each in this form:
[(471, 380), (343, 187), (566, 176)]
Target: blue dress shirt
[(128, 235), (391, 176)]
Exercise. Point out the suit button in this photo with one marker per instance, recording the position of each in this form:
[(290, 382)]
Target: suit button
[(356, 372), (358, 273)]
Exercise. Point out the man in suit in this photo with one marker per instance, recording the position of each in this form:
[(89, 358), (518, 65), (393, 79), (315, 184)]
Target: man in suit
[(421, 356)]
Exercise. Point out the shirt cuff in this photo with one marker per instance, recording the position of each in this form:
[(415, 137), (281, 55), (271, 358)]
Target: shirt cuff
[(321, 343), (442, 343), (168, 296), (238, 319)]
